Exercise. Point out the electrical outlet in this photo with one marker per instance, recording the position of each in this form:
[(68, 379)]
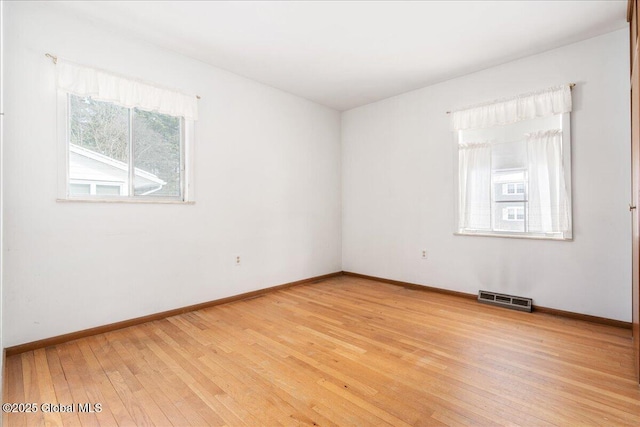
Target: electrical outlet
[(424, 254), (237, 260)]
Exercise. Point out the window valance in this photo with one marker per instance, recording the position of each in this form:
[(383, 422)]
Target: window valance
[(555, 100), (105, 86)]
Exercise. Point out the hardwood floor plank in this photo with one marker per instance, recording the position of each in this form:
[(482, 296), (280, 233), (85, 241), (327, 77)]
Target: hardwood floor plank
[(47, 393), (156, 413), (239, 407), (81, 383), (110, 399), (342, 352), (31, 389), (166, 390), (125, 391), (61, 387), (15, 393), (205, 390), (177, 381)]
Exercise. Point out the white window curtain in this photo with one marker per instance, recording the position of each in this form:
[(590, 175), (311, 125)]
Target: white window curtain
[(555, 100), (548, 200), (105, 86), (474, 204)]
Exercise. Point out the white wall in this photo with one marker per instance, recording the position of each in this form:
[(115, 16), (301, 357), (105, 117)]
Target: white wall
[(267, 174), (2, 64), (398, 196)]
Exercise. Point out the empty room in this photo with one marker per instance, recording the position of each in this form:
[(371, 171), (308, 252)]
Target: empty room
[(320, 213)]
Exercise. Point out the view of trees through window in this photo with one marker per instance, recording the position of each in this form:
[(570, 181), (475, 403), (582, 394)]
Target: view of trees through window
[(99, 148)]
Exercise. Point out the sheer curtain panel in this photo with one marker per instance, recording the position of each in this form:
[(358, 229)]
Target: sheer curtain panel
[(548, 201), (474, 203)]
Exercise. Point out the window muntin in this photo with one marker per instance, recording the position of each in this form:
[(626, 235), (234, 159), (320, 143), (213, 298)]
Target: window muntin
[(140, 154)]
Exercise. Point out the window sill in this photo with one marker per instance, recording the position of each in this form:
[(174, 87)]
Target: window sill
[(513, 236), (143, 201)]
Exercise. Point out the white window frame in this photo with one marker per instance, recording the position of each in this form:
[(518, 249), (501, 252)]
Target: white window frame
[(187, 164), (566, 159)]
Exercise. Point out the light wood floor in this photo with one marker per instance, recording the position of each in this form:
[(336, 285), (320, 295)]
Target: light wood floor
[(344, 352)]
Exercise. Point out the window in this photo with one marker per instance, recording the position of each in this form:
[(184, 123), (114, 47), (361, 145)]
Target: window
[(122, 151), (109, 151), (513, 213), (513, 188), (514, 176)]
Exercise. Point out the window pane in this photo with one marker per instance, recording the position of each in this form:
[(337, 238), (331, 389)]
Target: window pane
[(510, 216), (98, 141), (79, 189), (108, 190), (156, 153), (509, 155), (509, 185)]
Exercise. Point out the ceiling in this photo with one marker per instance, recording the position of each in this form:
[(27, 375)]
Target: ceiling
[(344, 54)]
